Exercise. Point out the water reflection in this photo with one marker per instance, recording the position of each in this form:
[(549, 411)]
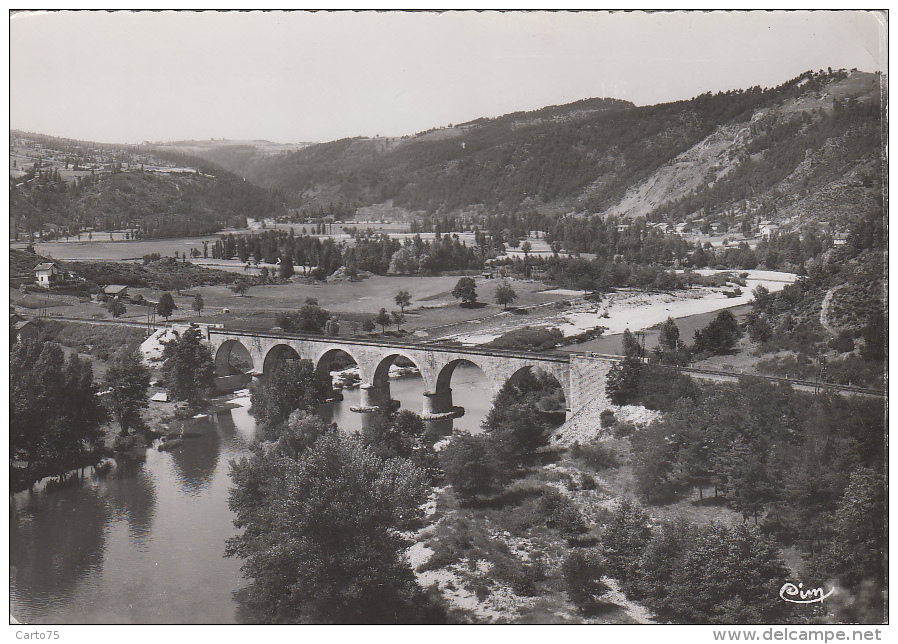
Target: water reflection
[(196, 460), (224, 424), (146, 544), (132, 497), (55, 541)]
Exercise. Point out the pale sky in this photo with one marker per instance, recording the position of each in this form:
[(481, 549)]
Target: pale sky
[(289, 77)]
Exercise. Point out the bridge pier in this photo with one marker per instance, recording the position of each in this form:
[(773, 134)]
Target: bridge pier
[(375, 398), (438, 406)]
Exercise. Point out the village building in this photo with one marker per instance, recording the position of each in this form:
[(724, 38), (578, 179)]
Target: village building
[(48, 274), (23, 331), (840, 239), (767, 229)]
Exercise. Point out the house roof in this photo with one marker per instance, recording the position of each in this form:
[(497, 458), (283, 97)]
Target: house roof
[(112, 289), (46, 266), (18, 326)]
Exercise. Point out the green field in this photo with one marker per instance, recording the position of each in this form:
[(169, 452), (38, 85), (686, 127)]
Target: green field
[(100, 248), (432, 303)]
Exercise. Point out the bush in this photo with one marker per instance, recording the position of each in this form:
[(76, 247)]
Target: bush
[(582, 570), (622, 430), (529, 338), (587, 482), (562, 513), (843, 343), (607, 418), (598, 456)]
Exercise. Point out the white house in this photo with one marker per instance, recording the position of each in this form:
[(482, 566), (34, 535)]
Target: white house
[(767, 229), (47, 274)]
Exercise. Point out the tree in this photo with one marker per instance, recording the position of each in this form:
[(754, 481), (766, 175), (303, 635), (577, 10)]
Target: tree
[(241, 286), (166, 305), (622, 383), (631, 345), (625, 537), (393, 435), (116, 307), (514, 418), (332, 327), (720, 336), (874, 334), (293, 385), (526, 247), (368, 325), (187, 367), (726, 577), (127, 381), (302, 429), (465, 290), (286, 264), (383, 319), (198, 304), (311, 317), (398, 319), (856, 553), (669, 335), (403, 299), (321, 539), (505, 294), (670, 349), (55, 412), (474, 465), (263, 276)]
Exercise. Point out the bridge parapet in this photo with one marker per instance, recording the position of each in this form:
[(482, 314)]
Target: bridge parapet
[(582, 377)]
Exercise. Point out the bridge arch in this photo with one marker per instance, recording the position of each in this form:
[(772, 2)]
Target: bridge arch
[(324, 364), (276, 354), (444, 378), (381, 376), (548, 403), (326, 357), (233, 357)]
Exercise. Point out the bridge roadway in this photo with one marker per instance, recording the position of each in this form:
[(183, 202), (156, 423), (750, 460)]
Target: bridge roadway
[(582, 376)]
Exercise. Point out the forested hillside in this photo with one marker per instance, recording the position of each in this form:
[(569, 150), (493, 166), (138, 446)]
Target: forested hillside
[(63, 187), (807, 149)]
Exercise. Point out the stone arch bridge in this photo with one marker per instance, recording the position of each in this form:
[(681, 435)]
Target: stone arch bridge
[(582, 377)]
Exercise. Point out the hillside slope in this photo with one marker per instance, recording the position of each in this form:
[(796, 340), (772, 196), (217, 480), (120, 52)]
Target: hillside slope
[(152, 204), (773, 152)]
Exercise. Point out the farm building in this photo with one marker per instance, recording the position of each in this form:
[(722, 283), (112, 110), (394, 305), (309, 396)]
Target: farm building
[(116, 290)]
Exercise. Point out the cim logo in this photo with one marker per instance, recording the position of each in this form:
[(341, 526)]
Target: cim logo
[(798, 595)]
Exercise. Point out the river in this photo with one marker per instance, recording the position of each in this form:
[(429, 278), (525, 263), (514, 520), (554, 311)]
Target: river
[(614, 344), (146, 543)]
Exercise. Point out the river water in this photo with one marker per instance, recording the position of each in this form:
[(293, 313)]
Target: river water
[(146, 544)]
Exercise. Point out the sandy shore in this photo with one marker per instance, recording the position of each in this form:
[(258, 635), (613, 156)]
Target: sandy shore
[(634, 310)]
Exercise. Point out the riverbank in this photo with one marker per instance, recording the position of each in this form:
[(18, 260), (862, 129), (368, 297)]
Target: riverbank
[(626, 309)]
